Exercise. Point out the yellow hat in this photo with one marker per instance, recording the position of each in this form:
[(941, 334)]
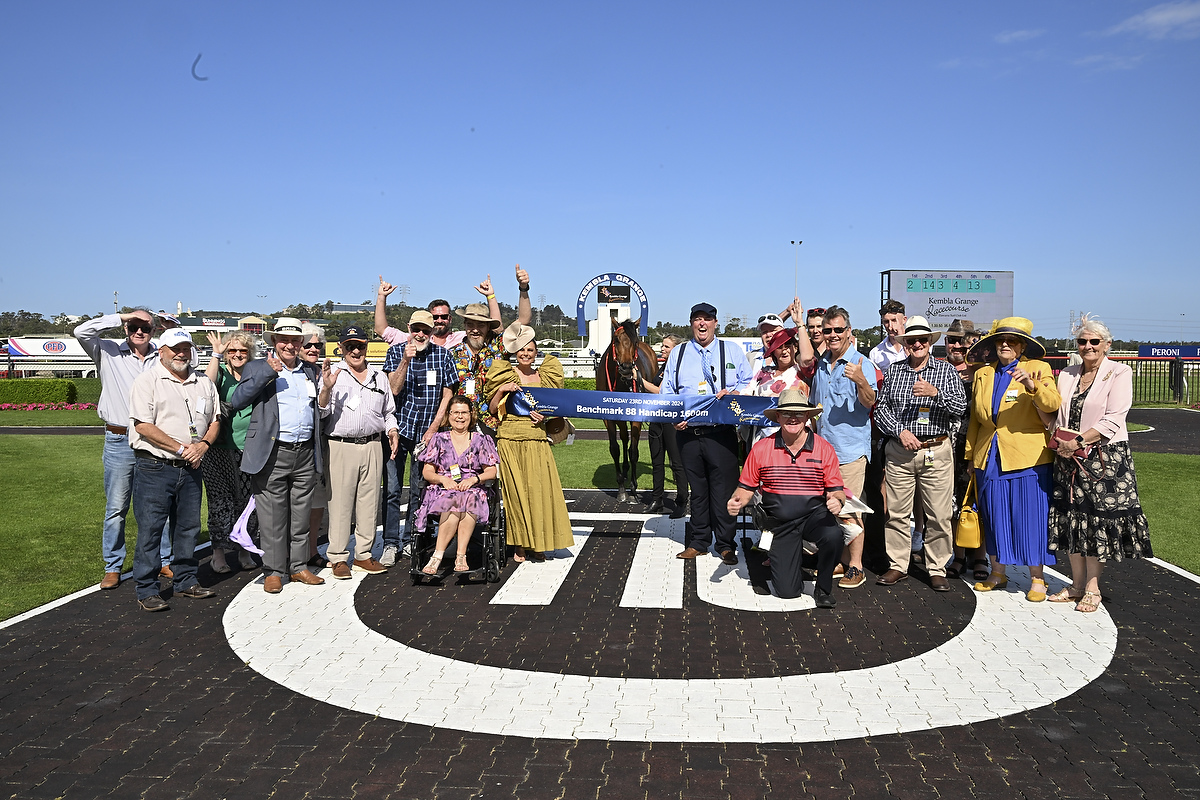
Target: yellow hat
[(985, 348)]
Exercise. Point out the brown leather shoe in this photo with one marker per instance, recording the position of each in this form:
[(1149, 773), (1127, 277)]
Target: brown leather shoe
[(272, 584), (111, 580), (689, 553), (938, 583), (891, 577), (369, 565), (729, 557), (307, 578), (166, 572), (341, 571)]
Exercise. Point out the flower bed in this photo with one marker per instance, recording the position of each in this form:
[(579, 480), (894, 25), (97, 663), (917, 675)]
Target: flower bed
[(47, 406)]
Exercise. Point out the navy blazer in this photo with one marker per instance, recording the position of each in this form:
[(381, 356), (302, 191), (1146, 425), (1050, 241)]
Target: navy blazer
[(258, 387)]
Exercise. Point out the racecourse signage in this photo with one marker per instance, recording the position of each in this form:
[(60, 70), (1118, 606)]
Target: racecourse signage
[(610, 277)]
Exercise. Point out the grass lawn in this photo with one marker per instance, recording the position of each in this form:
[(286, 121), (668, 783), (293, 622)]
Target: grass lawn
[(50, 418), (54, 515), (587, 465), (1166, 487)]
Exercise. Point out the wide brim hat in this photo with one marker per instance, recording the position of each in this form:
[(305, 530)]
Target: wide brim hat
[(794, 401), (962, 327), (517, 336), (285, 326), (558, 429), (919, 326), (478, 312), (779, 340), (985, 349)]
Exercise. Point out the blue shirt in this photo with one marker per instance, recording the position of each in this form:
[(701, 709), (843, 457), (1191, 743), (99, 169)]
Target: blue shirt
[(844, 422), (733, 375), (296, 394), (429, 371)]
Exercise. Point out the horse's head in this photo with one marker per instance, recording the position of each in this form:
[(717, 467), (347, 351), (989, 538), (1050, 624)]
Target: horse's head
[(624, 347)]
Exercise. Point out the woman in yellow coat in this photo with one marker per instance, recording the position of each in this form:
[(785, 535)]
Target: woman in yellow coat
[(534, 508), (1006, 449)]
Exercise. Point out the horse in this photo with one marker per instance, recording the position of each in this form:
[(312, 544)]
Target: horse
[(614, 373)]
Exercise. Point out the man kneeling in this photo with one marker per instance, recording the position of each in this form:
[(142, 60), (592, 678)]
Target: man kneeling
[(801, 484)]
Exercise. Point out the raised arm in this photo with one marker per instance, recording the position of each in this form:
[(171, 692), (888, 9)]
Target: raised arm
[(524, 309), (381, 321)]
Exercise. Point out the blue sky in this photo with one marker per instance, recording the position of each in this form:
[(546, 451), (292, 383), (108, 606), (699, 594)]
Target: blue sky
[(683, 144)]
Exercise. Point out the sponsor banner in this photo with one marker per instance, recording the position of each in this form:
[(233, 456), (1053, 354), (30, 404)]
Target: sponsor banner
[(32, 347), (732, 409), (1168, 351)]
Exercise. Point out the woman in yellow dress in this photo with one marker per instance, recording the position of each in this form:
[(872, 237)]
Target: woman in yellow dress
[(534, 507)]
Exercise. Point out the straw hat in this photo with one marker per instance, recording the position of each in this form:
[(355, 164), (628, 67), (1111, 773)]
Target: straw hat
[(558, 429), (286, 326), (517, 336), (792, 400), (478, 312), (1021, 328), (919, 326)]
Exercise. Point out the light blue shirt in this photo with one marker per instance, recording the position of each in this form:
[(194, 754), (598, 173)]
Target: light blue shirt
[(734, 374), (844, 422), (295, 404)]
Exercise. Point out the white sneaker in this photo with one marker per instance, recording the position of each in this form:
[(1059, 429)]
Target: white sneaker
[(388, 559)]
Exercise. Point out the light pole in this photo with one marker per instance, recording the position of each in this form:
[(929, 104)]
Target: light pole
[(796, 287)]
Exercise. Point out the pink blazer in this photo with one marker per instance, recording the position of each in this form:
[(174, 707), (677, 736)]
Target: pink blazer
[(1107, 403)]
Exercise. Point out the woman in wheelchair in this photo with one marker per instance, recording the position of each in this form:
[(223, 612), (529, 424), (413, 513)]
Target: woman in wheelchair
[(457, 461)]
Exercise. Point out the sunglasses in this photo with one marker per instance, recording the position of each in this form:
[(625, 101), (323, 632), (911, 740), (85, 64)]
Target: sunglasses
[(229, 351), (841, 329), (1007, 341), (441, 316), (313, 346), (918, 340), (135, 327), (350, 347), (790, 415), (812, 312), (954, 340), (1092, 342)]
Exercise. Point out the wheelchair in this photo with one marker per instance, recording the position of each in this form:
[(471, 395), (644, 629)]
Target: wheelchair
[(487, 551)]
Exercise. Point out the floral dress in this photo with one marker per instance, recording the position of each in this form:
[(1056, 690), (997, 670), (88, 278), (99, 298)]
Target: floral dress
[(1094, 509), (479, 455)]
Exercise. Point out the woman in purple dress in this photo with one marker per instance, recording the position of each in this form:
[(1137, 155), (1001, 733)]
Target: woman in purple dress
[(457, 461)]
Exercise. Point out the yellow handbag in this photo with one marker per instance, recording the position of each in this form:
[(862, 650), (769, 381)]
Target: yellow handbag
[(967, 533)]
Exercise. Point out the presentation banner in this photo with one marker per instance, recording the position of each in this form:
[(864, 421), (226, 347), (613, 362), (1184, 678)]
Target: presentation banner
[(942, 297), (732, 409)]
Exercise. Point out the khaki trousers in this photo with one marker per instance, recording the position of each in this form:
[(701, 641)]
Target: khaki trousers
[(906, 478), (353, 475)]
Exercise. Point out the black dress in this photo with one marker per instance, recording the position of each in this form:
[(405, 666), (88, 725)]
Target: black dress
[(1094, 510)]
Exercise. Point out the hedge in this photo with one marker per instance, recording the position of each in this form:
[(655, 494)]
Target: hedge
[(38, 390), (580, 383)]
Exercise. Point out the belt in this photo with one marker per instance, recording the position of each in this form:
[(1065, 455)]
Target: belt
[(119, 431), (935, 440), (374, 437), (705, 430), (292, 445), (178, 463)]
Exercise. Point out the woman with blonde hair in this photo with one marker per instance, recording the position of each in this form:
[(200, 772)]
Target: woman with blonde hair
[(1095, 515), (1006, 449)]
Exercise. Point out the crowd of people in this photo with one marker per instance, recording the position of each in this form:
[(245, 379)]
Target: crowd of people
[(302, 441)]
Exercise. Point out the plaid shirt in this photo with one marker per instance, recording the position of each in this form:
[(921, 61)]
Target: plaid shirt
[(418, 400), (471, 365), (898, 409)]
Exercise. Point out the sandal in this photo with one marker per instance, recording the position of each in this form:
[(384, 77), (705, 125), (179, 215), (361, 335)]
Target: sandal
[(460, 563), (981, 573), (957, 567), (1089, 603), (1068, 594), (434, 563), (1036, 595), (519, 555), (988, 586)]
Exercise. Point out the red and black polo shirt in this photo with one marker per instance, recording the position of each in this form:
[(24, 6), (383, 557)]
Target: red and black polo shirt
[(792, 486)]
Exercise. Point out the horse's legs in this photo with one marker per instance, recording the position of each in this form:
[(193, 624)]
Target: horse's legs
[(632, 456), (614, 449)]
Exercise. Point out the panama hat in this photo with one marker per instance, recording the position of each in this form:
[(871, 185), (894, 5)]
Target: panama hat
[(919, 326), (985, 348), (517, 336), (478, 312), (286, 326), (791, 400)]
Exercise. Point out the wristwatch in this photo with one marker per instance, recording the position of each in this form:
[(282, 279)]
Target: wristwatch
[(1079, 439)]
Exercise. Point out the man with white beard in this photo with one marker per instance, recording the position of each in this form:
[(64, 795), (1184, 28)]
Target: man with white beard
[(423, 379), (172, 425)]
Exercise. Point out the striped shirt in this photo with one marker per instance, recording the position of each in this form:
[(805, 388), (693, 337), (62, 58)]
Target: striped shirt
[(898, 409), (360, 409), (792, 486)]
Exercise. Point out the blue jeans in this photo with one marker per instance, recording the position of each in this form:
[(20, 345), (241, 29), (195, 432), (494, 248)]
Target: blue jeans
[(118, 488), (165, 494), (392, 486)]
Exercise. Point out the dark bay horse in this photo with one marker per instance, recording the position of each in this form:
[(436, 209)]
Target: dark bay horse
[(615, 374)]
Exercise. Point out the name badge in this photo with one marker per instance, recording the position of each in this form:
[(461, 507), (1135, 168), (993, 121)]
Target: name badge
[(353, 403), (430, 378), (202, 405), (702, 388), (455, 472), (195, 434), (929, 458), (1010, 396), (923, 416), (311, 387), (469, 386)]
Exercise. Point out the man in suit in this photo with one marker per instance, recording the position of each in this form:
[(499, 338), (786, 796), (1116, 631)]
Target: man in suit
[(282, 453)]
